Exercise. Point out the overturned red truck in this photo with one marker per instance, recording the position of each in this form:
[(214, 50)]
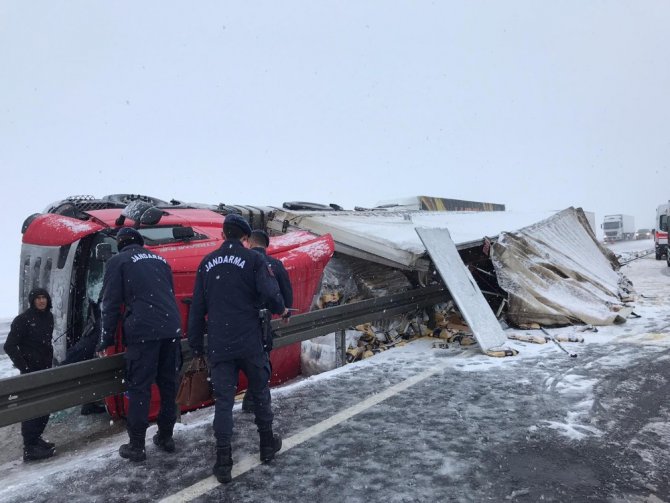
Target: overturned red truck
[(64, 249)]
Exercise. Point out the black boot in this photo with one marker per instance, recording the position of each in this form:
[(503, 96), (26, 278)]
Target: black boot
[(92, 408), (37, 451), (134, 450), (270, 444), (224, 465), (164, 442), (45, 444)]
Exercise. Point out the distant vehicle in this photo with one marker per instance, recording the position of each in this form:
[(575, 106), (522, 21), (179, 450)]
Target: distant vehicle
[(618, 227), (661, 231), (643, 234)]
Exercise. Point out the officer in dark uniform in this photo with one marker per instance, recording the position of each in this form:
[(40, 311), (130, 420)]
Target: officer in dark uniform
[(259, 241), (231, 286), (29, 347), (142, 281)]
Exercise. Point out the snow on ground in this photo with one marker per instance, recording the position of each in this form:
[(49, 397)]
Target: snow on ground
[(414, 424)]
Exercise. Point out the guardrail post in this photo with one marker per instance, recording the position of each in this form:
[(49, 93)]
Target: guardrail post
[(340, 348)]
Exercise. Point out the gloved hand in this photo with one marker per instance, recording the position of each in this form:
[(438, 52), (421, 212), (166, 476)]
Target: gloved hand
[(102, 345)]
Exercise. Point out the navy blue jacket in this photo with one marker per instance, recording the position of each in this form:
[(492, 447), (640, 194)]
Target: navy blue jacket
[(281, 275), (142, 280), (231, 285), (84, 349)]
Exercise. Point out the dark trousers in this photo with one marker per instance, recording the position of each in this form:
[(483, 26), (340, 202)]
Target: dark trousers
[(148, 362), (224, 380), (248, 401), (33, 429)]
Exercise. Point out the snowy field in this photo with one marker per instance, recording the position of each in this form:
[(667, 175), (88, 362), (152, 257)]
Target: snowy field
[(414, 424)]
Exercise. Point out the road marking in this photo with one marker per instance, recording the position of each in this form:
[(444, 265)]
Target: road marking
[(248, 463)]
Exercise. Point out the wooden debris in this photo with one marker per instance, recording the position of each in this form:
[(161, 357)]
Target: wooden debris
[(536, 339)]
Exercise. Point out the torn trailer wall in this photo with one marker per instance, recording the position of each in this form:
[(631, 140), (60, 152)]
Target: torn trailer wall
[(556, 273)]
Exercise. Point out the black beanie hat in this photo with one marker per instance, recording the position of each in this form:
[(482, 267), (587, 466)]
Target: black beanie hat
[(127, 236), (239, 222)]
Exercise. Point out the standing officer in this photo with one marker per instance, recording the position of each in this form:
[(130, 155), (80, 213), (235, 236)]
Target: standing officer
[(259, 241), (29, 347), (231, 285), (142, 281)]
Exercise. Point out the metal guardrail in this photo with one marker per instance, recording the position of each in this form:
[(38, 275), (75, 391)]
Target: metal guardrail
[(40, 393), (315, 323), (630, 256)]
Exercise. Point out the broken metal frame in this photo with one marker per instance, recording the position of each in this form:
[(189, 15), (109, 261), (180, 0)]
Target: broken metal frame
[(40, 393), (464, 289)]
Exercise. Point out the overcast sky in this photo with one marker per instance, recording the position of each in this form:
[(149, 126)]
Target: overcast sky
[(535, 104)]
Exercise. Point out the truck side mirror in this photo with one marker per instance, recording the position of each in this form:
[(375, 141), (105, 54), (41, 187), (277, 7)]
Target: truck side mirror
[(103, 252), (183, 233), (151, 216)]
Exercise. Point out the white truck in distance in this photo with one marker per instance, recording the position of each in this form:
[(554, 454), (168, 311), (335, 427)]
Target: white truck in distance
[(618, 227)]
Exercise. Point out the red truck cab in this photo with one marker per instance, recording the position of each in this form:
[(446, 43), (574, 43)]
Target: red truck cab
[(661, 232)]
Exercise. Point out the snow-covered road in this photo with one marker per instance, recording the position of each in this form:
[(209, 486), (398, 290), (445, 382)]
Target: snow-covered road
[(415, 424)]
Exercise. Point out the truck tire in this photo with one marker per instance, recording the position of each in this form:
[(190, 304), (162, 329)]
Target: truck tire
[(659, 256)]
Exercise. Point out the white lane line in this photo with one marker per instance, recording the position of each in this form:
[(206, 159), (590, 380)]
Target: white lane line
[(247, 463)]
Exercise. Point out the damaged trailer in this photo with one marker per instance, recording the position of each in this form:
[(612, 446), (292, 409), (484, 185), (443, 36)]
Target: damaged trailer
[(514, 259)]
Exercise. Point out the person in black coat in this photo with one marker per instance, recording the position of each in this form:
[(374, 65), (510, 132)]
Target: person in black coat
[(29, 347), (142, 281), (232, 284), (259, 241), (84, 350)]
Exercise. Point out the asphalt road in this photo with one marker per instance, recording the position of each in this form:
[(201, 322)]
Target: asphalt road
[(592, 428)]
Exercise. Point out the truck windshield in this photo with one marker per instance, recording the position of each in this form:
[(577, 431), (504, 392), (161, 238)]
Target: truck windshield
[(611, 225)]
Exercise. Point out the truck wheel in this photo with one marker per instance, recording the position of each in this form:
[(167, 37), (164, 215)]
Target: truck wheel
[(659, 256)]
